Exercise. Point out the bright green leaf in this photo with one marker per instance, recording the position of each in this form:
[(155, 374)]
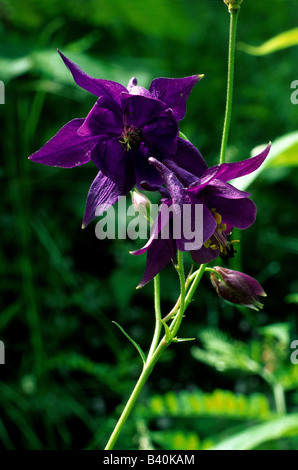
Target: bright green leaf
[(253, 437), (281, 41), (138, 348)]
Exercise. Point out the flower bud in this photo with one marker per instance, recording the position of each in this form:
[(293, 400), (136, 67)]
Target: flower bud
[(237, 287), (141, 204)]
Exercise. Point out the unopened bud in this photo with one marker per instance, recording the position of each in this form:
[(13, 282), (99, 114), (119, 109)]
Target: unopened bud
[(233, 5), (237, 287), (140, 202)]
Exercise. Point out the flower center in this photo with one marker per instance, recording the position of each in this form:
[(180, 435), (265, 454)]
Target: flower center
[(131, 138), (218, 240)]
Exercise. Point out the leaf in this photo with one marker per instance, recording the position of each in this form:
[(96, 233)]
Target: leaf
[(292, 298), (253, 437), (218, 404), (138, 348), (182, 340), (281, 41), (223, 353), (167, 331), (283, 153), (280, 331)]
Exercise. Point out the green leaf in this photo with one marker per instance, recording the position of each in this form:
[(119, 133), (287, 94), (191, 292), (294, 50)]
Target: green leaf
[(281, 41), (138, 348), (292, 298), (280, 331), (283, 153), (183, 136), (218, 404), (182, 340), (253, 437), (167, 331)]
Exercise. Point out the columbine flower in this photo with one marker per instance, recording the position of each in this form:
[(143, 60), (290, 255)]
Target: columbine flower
[(224, 207), (237, 287), (124, 128)]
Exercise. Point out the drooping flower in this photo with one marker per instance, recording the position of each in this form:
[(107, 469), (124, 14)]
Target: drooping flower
[(124, 128), (223, 208), (237, 287)]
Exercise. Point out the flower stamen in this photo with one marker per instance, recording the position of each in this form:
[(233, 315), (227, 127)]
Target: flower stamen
[(218, 240), (131, 137)]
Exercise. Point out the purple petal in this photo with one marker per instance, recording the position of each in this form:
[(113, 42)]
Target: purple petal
[(159, 225), (240, 213), (173, 184), (114, 161), (204, 255), (174, 92), (207, 225), (223, 189), (66, 149), (229, 171), (183, 176), (134, 89), (143, 170), (103, 192), (140, 111), (162, 133), (189, 158), (159, 254), (155, 187), (102, 120), (96, 86)]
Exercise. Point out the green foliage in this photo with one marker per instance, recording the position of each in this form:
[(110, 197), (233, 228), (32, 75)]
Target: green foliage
[(251, 438), (281, 41), (218, 404)]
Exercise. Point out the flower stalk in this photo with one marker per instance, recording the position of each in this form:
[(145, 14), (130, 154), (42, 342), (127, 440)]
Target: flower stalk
[(234, 12), (157, 347)]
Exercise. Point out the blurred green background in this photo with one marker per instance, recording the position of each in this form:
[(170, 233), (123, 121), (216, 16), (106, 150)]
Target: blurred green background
[(68, 368)]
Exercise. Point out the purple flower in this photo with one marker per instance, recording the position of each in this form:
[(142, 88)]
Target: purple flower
[(224, 207), (237, 287), (124, 128)]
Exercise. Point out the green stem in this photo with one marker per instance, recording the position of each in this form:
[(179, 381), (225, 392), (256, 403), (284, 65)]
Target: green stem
[(135, 393), (232, 41), (279, 399), (178, 318), (195, 284), (157, 349)]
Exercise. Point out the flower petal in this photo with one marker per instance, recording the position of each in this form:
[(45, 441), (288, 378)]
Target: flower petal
[(96, 86), (159, 254), (114, 162), (140, 110), (66, 149), (143, 170), (173, 184), (229, 171), (134, 89), (204, 255), (103, 119), (189, 158), (174, 92), (159, 225), (223, 189), (103, 192), (162, 133)]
